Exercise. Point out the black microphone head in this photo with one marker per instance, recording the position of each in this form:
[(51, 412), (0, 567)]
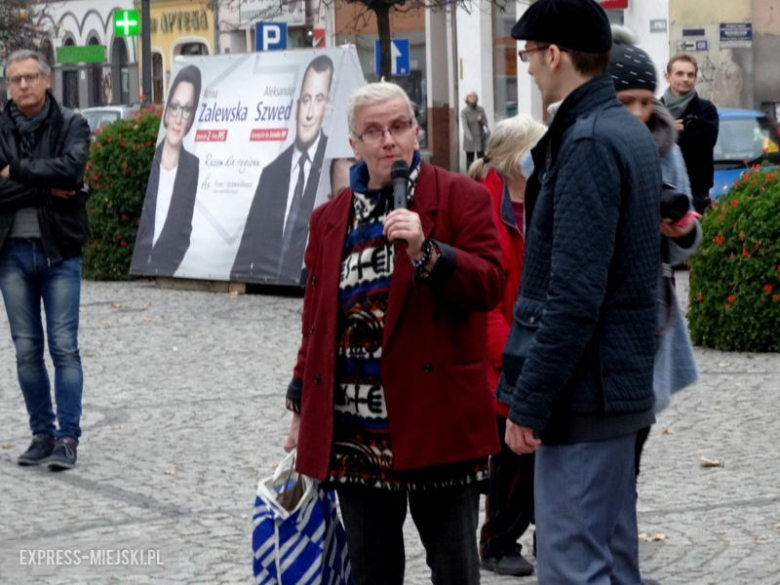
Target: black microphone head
[(399, 170)]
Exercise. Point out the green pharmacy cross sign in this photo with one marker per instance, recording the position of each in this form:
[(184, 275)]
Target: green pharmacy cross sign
[(127, 23)]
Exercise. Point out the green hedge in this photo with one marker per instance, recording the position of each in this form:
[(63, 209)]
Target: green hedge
[(117, 172), (735, 277)]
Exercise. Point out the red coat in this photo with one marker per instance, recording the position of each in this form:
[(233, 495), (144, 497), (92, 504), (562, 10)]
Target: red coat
[(433, 350), (512, 248)]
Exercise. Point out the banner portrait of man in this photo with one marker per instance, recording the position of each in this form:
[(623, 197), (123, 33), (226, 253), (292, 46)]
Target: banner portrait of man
[(274, 238)]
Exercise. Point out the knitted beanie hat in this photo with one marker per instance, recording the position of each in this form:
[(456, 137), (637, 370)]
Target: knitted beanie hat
[(629, 66)]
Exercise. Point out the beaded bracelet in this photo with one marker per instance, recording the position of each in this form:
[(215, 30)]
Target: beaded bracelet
[(427, 250)]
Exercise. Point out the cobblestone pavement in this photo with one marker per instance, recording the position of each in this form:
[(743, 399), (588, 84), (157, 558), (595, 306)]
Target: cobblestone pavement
[(183, 412)]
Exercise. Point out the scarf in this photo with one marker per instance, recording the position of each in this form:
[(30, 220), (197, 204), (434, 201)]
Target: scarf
[(677, 105), (28, 126)]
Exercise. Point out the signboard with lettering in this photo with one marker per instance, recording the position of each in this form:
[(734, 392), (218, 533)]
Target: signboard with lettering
[(736, 35), (86, 54), (658, 25), (292, 12), (614, 4), (181, 21), (240, 165)]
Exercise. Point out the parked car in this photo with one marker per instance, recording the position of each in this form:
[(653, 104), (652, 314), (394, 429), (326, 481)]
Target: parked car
[(746, 138), (100, 116)]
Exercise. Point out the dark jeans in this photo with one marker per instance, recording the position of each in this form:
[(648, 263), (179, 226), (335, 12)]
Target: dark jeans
[(586, 513), (509, 507), (26, 281), (446, 520), (470, 158)]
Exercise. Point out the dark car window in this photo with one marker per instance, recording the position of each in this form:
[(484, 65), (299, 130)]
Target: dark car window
[(745, 139)]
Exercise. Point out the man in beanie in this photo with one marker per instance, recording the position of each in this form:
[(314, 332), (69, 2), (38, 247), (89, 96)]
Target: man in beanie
[(578, 364), (697, 124)]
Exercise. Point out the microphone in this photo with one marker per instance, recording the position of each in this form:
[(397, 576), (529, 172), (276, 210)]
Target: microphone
[(399, 172), (400, 175)]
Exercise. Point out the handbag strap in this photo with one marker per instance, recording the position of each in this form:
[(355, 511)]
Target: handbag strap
[(668, 285)]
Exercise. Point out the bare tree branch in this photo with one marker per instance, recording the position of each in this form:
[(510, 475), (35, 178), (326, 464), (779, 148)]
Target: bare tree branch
[(21, 25)]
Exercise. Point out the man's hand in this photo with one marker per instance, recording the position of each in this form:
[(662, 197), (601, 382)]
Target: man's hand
[(679, 125), (6, 172), (64, 193), (402, 224), (291, 442), (520, 439)]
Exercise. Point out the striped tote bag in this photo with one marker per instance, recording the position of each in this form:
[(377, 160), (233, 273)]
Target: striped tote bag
[(298, 537)]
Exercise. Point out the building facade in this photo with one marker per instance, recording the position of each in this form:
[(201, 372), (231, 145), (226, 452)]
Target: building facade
[(439, 56), (91, 65)]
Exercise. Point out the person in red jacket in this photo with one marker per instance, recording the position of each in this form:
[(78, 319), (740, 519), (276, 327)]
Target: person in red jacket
[(509, 506), (390, 392)]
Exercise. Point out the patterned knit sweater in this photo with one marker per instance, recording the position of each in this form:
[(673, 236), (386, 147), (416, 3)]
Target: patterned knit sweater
[(362, 448)]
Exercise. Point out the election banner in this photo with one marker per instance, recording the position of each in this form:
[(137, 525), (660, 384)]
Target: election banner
[(248, 146)]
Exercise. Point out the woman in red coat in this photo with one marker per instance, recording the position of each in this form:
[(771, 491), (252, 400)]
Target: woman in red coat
[(390, 393), (510, 501)]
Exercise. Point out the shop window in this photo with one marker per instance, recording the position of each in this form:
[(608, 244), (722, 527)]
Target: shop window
[(192, 49), (504, 62), (157, 78)]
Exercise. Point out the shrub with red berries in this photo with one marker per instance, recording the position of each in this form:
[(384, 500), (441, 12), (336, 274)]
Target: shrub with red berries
[(735, 277), (117, 172)]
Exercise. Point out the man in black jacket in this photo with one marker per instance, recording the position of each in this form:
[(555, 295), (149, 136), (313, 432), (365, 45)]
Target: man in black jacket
[(43, 225), (696, 122), (578, 364)]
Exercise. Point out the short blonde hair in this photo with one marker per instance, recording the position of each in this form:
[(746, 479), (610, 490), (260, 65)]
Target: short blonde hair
[(376, 93), (510, 140)]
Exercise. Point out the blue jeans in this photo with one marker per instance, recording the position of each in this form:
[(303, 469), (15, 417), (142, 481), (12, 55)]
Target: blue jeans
[(25, 281), (446, 520), (586, 529)]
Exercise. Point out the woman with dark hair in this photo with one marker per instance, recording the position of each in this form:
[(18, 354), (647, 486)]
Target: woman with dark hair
[(166, 220)]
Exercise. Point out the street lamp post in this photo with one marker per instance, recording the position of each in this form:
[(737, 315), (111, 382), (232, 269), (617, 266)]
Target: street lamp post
[(146, 48)]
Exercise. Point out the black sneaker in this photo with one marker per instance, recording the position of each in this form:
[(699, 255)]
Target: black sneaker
[(40, 448), (63, 456), (512, 563)]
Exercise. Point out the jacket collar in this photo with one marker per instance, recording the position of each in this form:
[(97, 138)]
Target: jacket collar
[(593, 94)]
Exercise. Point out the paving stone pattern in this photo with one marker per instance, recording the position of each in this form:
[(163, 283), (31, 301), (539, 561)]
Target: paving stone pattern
[(183, 412)]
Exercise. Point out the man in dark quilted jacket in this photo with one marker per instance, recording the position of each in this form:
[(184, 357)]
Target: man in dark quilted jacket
[(578, 364)]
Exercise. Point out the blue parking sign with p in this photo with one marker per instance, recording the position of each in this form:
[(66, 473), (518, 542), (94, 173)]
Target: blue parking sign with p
[(270, 36)]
